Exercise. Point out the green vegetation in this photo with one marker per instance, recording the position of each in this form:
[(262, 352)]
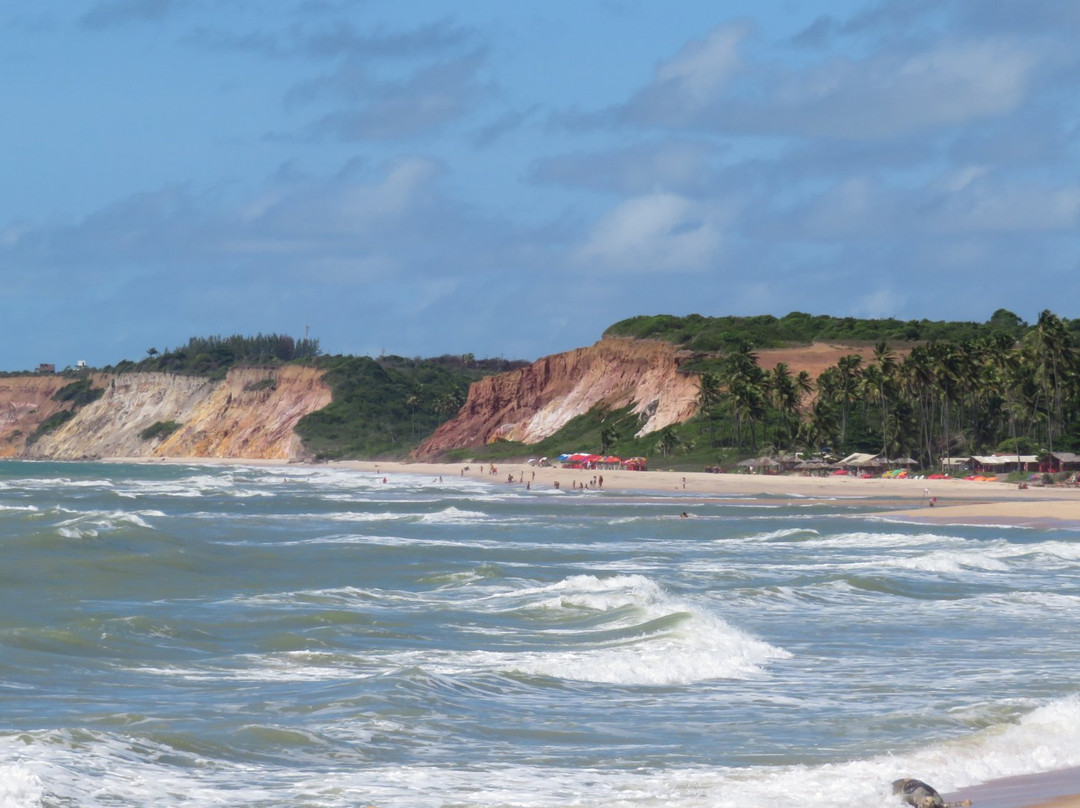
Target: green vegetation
[(213, 356), (159, 429), (1010, 386), (50, 424), (78, 393), (698, 333), (949, 389), (383, 408)]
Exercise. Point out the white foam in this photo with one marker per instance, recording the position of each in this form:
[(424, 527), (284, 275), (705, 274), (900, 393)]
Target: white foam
[(20, 787), (98, 769), (783, 533), (452, 515), (91, 525), (947, 561), (661, 640)]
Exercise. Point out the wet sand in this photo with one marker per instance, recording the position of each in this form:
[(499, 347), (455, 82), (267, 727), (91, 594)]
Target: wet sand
[(957, 501), (1060, 789)]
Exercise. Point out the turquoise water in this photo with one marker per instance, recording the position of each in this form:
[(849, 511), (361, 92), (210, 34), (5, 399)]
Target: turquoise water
[(290, 636)]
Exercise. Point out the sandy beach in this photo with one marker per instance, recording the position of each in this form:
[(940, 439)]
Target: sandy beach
[(955, 501)]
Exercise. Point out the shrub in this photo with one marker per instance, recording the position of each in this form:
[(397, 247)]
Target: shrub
[(161, 429), (79, 393), (50, 424), (269, 383)]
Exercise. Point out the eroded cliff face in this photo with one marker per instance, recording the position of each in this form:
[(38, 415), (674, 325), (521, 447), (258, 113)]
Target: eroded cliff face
[(249, 415), (531, 403), (25, 401)]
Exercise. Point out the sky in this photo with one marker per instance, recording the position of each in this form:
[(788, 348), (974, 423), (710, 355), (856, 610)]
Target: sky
[(508, 178)]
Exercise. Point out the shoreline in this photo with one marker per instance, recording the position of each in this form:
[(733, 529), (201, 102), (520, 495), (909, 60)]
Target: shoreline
[(957, 501), (1053, 789)]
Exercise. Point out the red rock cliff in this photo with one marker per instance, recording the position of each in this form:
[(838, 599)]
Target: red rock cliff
[(534, 402)]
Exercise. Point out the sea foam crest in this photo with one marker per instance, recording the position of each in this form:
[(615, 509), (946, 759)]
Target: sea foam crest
[(19, 787), (947, 561), (672, 642), (1047, 739), (451, 515), (91, 525)]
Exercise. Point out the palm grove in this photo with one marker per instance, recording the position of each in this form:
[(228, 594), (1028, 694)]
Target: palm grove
[(1008, 387)]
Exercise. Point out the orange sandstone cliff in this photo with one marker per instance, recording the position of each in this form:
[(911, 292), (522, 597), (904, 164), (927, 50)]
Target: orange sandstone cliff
[(249, 415), (533, 402)]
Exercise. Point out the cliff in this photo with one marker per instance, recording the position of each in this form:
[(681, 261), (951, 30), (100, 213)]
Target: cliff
[(249, 415), (531, 403), (252, 413)]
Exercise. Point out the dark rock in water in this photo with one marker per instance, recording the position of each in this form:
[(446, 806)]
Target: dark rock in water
[(920, 795)]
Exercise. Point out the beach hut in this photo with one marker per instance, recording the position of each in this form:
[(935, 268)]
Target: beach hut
[(759, 465), (903, 462), (1054, 462), (1004, 463), (863, 463), (814, 467), (950, 464)]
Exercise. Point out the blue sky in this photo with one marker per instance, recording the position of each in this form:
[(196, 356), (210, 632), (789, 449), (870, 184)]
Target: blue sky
[(509, 178)]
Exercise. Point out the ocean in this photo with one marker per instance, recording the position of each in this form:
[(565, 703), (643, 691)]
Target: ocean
[(313, 636)]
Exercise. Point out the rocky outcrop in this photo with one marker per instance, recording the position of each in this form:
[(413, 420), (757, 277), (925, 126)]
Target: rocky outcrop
[(531, 403), (249, 415)]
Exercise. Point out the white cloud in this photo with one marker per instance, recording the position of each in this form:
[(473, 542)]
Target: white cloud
[(653, 232), (880, 96), (702, 68), (344, 209)]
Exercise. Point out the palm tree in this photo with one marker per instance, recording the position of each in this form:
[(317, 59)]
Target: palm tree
[(787, 397), (710, 397), (608, 436), (448, 403), (413, 402), (821, 428), (1054, 359), (917, 382), (848, 368), (746, 392), (667, 441)]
